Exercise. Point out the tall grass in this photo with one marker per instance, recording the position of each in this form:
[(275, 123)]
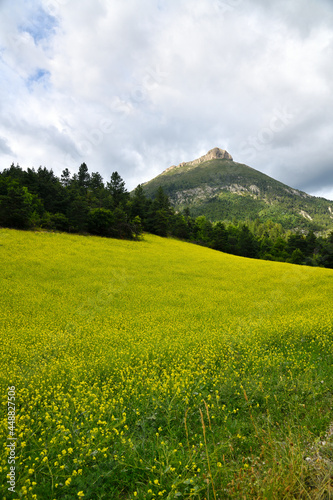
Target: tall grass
[(159, 369)]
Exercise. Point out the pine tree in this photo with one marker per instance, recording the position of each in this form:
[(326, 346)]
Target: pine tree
[(116, 187)]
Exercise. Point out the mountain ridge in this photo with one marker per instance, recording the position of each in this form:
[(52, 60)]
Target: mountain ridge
[(215, 153), (216, 186)]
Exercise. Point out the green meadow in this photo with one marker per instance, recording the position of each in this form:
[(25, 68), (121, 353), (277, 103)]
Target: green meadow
[(159, 369)]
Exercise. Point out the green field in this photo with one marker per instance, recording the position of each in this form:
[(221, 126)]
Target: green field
[(161, 369)]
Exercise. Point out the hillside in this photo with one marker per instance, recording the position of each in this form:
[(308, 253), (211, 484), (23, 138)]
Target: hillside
[(161, 369), (221, 189)]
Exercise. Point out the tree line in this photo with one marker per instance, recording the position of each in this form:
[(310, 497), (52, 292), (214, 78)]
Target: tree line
[(84, 203)]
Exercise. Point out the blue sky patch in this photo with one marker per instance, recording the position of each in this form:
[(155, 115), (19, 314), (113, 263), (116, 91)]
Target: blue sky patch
[(40, 25), (41, 76)]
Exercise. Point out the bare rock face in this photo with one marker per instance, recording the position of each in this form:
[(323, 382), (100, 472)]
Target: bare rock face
[(213, 154), (216, 153)]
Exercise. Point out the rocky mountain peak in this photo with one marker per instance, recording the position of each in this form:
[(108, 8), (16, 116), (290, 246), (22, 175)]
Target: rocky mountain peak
[(213, 154)]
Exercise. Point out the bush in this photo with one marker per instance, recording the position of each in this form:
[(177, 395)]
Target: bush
[(100, 221)]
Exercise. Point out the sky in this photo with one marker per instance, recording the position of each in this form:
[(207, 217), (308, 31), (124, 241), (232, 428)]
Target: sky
[(136, 86)]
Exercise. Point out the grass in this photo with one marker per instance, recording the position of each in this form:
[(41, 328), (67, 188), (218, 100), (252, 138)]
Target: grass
[(160, 369)]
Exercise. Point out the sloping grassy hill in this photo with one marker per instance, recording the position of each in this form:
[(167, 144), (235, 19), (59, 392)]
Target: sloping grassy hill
[(161, 369), (224, 190)]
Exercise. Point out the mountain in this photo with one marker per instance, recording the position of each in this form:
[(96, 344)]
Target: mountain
[(221, 189)]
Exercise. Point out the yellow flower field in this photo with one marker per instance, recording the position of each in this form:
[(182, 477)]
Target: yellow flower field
[(160, 369)]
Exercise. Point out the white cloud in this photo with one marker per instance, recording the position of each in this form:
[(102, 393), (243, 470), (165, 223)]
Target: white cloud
[(138, 87)]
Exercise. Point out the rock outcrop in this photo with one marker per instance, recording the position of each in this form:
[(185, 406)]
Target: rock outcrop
[(213, 154)]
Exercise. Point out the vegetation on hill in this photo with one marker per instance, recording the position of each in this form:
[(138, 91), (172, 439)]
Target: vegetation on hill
[(226, 190), (83, 203), (160, 369), (78, 203)]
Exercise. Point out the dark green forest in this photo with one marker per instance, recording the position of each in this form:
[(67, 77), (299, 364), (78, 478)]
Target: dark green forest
[(83, 203)]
